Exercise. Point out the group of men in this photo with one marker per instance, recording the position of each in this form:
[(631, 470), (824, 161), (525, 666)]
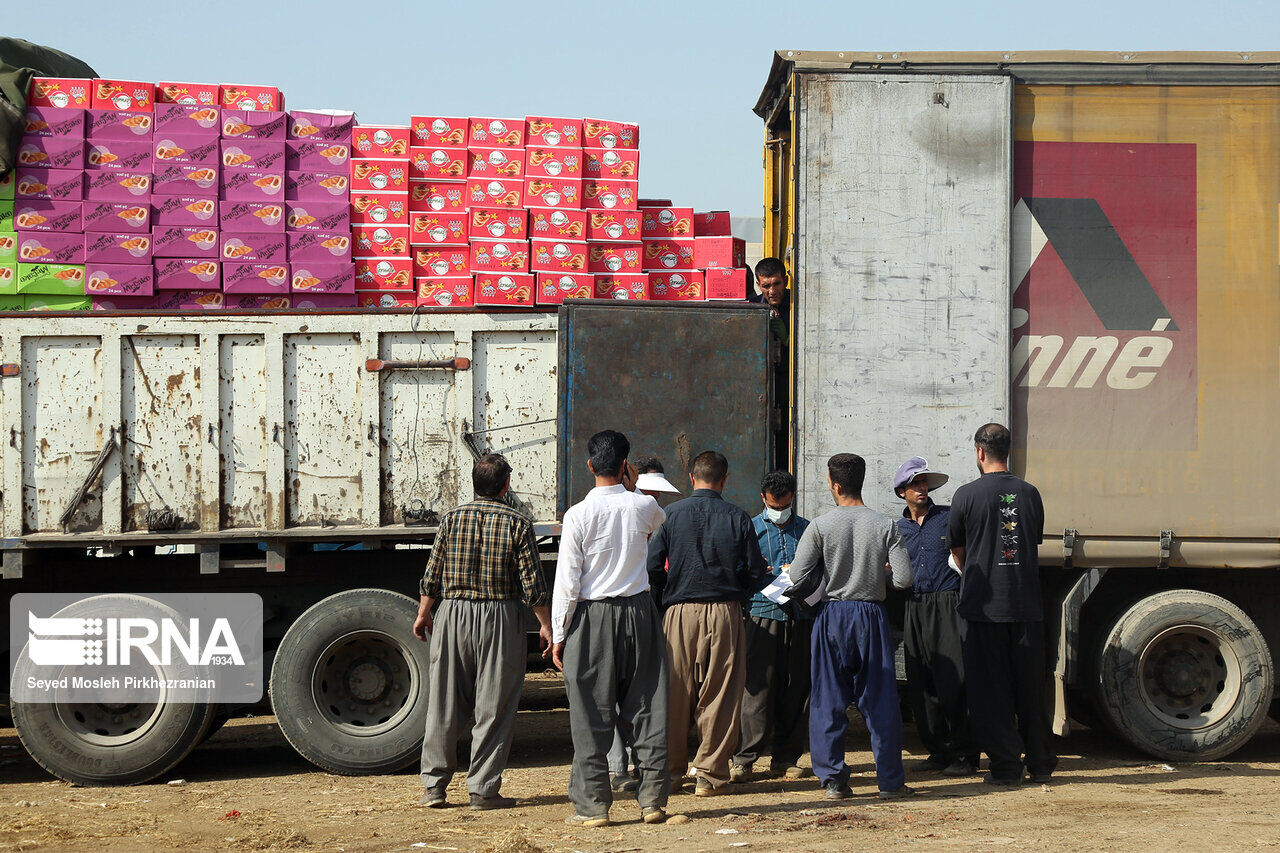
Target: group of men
[(700, 619)]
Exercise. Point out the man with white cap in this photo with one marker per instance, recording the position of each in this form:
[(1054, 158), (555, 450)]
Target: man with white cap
[(931, 630)]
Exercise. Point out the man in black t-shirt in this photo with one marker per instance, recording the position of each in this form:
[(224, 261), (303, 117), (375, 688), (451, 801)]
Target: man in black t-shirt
[(996, 523)]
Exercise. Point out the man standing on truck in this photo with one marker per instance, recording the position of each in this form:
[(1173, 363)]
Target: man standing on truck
[(483, 564), (996, 523), (844, 555), (608, 637), (771, 278), (713, 565), (931, 629)]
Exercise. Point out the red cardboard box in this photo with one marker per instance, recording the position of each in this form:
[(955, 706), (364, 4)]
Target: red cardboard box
[(714, 223), (437, 195), (505, 132), (323, 301), (727, 283), (51, 247), (238, 96), (603, 133), (126, 96), (669, 254), (52, 152), (318, 216), (198, 94), (117, 248), (60, 92), (444, 228), (554, 192), (323, 278), (609, 194), (185, 210), (380, 241), (52, 121), (117, 217), (184, 241), (656, 202), (720, 252), (665, 222), (553, 162), (495, 192), (499, 256), (303, 155), (110, 185), (677, 286), (497, 223), (185, 179), (380, 140), (252, 185), (50, 184), (496, 288), (255, 278), (263, 247), (317, 186), (181, 120), (187, 274), (439, 130), (41, 215), (112, 124), (615, 258), (321, 127), (119, 279), (260, 125), (127, 155), (557, 256), (377, 175), (612, 163), (495, 162), (251, 215), (553, 132), (614, 225), (564, 223), (556, 287), (319, 247), (622, 286), (403, 298), (383, 273), (436, 261), (438, 162), (259, 155), (445, 292), (258, 302)]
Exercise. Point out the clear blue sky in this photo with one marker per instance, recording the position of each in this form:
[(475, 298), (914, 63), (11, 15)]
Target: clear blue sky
[(688, 72)]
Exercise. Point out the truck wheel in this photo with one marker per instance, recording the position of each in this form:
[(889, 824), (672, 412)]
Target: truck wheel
[(348, 683), (92, 743), (1185, 676)]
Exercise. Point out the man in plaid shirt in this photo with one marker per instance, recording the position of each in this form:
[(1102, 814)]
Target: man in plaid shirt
[(483, 567)]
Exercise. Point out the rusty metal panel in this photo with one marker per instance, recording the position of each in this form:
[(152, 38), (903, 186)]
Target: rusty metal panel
[(243, 430), (676, 379), (63, 430)]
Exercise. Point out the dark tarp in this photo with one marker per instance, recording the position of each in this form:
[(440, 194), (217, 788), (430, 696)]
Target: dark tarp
[(20, 60)]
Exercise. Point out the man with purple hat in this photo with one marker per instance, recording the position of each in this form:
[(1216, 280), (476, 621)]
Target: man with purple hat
[(931, 641)]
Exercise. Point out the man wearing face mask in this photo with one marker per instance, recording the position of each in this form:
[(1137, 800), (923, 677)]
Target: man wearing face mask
[(775, 700)]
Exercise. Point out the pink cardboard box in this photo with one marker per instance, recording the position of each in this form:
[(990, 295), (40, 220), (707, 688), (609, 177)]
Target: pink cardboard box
[(506, 132), (719, 252), (255, 278), (51, 152), (68, 122), (558, 222), (380, 140), (380, 241), (251, 185), (610, 194), (51, 247), (125, 155), (113, 185), (253, 124), (319, 247), (322, 301), (554, 192), (605, 133), (263, 247), (446, 292), (380, 175), (714, 223), (306, 156), (497, 223), (253, 154), (103, 248), (123, 303), (119, 279), (247, 96), (323, 278), (49, 184), (184, 241), (38, 215), (259, 301), (726, 283), (117, 217), (495, 162), (437, 195), (251, 216), (124, 95), (318, 216), (376, 208), (615, 258), (661, 222), (321, 127), (185, 210), (404, 297), (110, 124), (185, 179), (187, 94), (186, 151), (317, 186), (383, 273), (188, 300), (441, 260), (495, 192), (554, 132), (187, 274), (60, 92), (187, 121)]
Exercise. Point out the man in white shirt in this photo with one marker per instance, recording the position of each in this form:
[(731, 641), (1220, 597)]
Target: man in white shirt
[(607, 635)]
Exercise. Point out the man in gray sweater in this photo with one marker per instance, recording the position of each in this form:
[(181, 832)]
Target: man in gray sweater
[(844, 553)]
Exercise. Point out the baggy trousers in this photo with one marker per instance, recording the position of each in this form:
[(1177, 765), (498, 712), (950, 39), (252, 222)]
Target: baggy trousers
[(935, 676), (1004, 677), (615, 668), (853, 664), (775, 701), (706, 653), (477, 664)]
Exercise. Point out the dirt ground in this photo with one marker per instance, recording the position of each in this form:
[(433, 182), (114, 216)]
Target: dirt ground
[(247, 790)]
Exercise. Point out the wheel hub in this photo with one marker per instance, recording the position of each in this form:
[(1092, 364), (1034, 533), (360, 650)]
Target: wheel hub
[(1190, 677), (363, 683)]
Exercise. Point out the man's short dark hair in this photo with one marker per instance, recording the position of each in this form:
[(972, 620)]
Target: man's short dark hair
[(778, 484), (995, 439), (489, 475), (710, 467), (607, 450), (648, 465), (848, 470), (769, 267)]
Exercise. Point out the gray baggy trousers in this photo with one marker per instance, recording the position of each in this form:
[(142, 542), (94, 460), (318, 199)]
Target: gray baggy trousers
[(615, 668), (478, 658)]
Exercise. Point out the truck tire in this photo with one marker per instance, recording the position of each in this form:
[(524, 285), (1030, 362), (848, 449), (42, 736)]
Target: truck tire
[(348, 683), (1184, 675), (111, 744)]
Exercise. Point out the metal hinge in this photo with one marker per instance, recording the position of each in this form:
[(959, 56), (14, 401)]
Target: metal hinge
[(1166, 545), (1068, 546)]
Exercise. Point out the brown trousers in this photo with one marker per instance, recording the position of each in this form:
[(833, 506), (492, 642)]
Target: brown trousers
[(706, 650)]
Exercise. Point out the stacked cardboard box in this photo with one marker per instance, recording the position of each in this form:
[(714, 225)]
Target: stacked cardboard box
[(380, 216), (317, 210)]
